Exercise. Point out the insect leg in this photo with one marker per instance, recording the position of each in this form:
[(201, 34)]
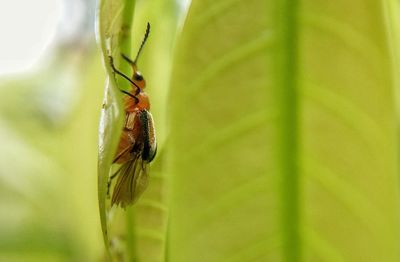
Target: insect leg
[(110, 179), (127, 59), (133, 96), (122, 74), (121, 154)]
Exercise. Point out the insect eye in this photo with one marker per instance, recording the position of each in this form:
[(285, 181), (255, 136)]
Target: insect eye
[(138, 76)]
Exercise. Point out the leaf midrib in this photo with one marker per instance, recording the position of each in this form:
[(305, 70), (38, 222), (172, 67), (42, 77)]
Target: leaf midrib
[(288, 132)]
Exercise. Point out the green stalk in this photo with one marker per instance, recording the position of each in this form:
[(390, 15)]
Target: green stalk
[(125, 46), (288, 144), (114, 30), (125, 40)]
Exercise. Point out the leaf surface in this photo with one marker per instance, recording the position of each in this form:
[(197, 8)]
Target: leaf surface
[(283, 133)]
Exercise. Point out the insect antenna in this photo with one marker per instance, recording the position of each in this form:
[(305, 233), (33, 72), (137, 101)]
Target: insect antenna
[(146, 35), (127, 59)]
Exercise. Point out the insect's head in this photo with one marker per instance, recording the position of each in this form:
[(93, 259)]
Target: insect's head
[(137, 77)]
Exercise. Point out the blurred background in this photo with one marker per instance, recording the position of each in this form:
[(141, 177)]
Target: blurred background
[(51, 91), (51, 88)]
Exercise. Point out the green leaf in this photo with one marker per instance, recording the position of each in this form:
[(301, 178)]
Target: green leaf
[(137, 233), (114, 24), (283, 142)]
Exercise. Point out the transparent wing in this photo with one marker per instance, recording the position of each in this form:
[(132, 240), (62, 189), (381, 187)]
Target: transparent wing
[(132, 180)]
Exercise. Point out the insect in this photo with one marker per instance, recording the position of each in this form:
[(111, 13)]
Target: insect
[(137, 146)]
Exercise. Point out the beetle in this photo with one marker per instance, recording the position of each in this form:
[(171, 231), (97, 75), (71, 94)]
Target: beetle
[(137, 145)]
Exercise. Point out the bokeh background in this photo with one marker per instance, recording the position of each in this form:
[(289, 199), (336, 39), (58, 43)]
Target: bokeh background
[(50, 98), (52, 81), (239, 190)]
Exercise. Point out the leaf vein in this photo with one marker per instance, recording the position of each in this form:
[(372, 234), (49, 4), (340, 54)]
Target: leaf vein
[(227, 60)]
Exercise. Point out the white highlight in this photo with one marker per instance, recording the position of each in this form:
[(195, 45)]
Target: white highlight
[(27, 27)]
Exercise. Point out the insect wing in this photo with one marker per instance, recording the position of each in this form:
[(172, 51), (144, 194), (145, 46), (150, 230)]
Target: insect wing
[(149, 136), (132, 181), (123, 153)]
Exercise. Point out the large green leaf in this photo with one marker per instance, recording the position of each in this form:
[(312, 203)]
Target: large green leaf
[(114, 23), (283, 133), (137, 233)]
